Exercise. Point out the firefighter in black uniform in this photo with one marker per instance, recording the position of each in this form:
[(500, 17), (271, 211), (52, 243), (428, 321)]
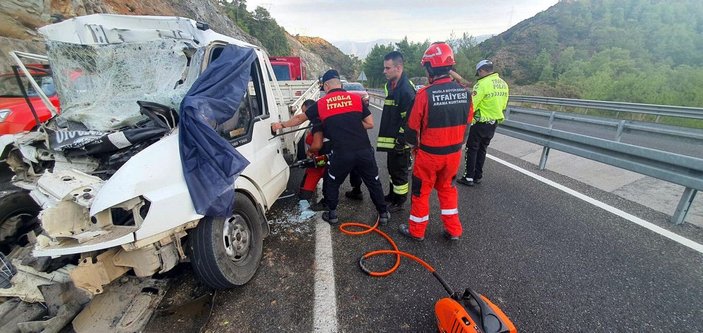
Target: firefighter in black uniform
[(344, 119), (400, 94)]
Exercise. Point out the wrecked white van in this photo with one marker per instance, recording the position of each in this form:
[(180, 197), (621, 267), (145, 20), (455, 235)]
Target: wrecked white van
[(119, 174)]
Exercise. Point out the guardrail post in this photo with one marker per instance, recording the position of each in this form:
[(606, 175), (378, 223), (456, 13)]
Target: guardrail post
[(543, 159), (621, 126), (684, 205), (551, 123)]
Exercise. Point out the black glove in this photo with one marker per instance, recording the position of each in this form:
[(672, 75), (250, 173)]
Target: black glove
[(400, 140), (400, 146)]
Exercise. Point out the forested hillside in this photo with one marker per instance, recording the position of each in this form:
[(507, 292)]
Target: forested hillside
[(626, 50), (646, 51), (317, 52), (346, 65)]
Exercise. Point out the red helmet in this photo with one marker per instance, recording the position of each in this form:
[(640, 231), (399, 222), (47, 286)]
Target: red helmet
[(439, 54)]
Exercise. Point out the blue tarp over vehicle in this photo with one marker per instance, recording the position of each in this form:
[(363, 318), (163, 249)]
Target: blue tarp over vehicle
[(210, 163)]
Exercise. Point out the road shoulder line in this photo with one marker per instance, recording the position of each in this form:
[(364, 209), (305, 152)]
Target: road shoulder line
[(325, 310), (634, 219)]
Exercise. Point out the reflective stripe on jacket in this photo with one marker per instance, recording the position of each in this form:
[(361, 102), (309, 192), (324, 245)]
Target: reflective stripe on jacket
[(398, 102)]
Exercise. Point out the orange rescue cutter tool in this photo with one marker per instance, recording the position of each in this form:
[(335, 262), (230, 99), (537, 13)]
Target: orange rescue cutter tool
[(469, 312)]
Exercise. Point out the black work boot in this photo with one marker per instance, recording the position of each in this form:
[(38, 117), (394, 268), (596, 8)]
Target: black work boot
[(405, 231), (449, 237), (383, 218), (466, 181), (397, 204), (354, 194), (330, 217)]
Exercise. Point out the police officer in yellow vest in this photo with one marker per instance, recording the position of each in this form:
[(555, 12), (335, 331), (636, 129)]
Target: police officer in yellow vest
[(490, 98)]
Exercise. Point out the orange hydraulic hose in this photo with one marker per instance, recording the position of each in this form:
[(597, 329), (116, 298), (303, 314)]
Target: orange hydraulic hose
[(366, 229)]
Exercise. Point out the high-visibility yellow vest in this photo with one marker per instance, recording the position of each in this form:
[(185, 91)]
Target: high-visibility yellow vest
[(490, 98)]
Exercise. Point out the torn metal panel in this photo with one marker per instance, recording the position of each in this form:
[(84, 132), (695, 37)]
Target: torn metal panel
[(25, 282), (83, 163), (163, 237), (14, 311), (150, 259), (70, 185), (169, 255), (65, 219), (92, 274), (144, 261), (53, 325), (111, 311), (64, 301), (118, 235)]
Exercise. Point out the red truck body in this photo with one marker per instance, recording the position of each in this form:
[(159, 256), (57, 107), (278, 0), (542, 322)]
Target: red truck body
[(288, 68), (15, 114)]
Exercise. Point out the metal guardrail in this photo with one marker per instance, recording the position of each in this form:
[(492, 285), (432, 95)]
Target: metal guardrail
[(376, 96), (659, 110), (673, 167), (378, 92)]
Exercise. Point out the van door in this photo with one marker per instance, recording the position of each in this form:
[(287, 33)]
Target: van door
[(249, 131)]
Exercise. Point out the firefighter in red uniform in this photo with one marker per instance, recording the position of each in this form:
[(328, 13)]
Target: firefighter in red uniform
[(313, 174), (436, 128)]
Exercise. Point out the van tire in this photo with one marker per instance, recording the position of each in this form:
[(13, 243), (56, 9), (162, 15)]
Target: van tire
[(17, 212), (226, 252)]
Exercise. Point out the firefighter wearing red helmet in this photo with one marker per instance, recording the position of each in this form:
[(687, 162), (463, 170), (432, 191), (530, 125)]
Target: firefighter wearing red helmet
[(436, 128)]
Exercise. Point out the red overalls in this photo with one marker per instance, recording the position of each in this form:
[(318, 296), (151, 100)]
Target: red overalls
[(312, 175), (437, 125)]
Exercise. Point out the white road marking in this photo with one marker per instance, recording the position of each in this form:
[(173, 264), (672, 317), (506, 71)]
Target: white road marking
[(634, 219), (325, 312), (378, 107)]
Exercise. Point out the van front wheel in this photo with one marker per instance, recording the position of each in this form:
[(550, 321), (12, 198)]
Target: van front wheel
[(226, 252)]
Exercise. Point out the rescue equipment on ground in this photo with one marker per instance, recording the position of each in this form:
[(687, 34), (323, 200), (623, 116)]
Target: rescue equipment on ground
[(467, 312)]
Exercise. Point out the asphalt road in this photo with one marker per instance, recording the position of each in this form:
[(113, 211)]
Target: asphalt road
[(552, 262)]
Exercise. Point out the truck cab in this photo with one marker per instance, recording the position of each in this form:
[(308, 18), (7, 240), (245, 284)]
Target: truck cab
[(108, 172), (288, 68)]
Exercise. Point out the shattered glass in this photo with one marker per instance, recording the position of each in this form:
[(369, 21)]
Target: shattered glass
[(99, 85)]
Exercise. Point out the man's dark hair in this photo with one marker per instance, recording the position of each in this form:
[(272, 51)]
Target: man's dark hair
[(396, 56), (437, 71), (308, 102)]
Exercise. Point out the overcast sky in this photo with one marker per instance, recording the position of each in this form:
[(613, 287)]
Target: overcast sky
[(366, 20)]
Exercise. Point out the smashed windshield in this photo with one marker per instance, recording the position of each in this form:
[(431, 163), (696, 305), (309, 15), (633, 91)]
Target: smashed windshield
[(99, 85)]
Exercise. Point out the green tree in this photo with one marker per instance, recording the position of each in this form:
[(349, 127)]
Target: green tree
[(466, 54), (412, 55), (259, 24), (373, 65)]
